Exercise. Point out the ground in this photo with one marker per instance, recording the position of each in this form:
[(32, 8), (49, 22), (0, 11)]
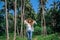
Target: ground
[(37, 37)]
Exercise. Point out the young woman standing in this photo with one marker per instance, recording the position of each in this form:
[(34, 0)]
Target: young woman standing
[(29, 27)]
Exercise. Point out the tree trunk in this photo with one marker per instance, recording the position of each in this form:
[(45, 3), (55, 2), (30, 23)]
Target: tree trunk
[(15, 20), (17, 31), (22, 16), (6, 21), (43, 23), (21, 32)]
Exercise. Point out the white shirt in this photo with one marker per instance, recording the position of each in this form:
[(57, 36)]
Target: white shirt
[(28, 26)]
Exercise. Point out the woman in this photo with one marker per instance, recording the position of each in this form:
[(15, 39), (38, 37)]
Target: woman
[(29, 27)]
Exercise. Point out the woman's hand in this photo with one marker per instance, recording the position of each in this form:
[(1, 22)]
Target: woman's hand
[(35, 22)]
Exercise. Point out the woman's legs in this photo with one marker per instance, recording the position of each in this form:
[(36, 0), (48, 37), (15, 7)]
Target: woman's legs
[(29, 35)]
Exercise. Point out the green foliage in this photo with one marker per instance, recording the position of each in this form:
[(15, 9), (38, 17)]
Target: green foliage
[(49, 30), (37, 30), (29, 11), (39, 37), (2, 28), (52, 17), (20, 38), (49, 37), (11, 37)]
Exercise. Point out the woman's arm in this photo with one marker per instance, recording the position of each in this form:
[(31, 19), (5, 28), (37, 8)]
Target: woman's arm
[(25, 22), (35, 22)]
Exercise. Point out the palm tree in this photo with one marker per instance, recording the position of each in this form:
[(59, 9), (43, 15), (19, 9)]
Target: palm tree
[(6, 20), (43, 23), (54, 12), (15, 20), (21, 21), (22, 16)]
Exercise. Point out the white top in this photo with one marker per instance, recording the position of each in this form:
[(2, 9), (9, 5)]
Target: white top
[(28, 26)]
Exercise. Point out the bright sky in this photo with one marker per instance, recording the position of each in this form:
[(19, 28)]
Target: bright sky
[(1, 4), (34, 3)]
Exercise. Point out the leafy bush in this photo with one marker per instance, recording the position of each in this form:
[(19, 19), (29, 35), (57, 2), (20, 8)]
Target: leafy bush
[(49, 30), (49, 37), (2, 31), (11, 36), (37, 30)]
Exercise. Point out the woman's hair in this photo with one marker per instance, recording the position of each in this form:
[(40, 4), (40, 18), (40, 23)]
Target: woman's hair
[(30, 21)]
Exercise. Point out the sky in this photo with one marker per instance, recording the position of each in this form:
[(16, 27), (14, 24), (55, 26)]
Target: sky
[(34, 3), (1, 4)]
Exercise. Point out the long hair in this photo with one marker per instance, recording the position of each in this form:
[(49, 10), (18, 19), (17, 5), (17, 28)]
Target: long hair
[(30, 21)]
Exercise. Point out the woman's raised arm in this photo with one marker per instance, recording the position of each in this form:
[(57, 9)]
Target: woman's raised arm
[(34, 22), (25, 22)]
